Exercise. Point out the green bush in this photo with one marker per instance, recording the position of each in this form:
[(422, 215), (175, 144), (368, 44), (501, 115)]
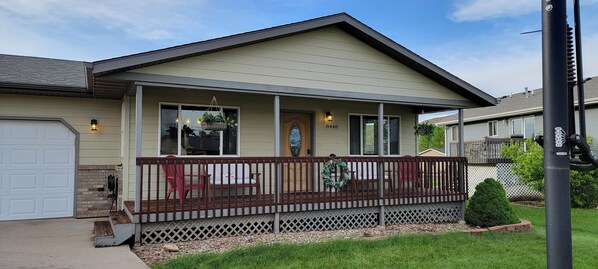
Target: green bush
[(489, 206), (529, 167)]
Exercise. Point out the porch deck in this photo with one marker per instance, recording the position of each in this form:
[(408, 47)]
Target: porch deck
[(292, 202), (264, 185)]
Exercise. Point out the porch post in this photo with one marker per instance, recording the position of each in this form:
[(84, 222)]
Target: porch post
[(381, 163), (461, 142), (461, 153), (278, 165), (138, 140)]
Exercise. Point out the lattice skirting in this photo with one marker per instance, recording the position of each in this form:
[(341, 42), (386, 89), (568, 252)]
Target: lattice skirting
[(186, 230), (177, 231), (424, 213), (329, 219)]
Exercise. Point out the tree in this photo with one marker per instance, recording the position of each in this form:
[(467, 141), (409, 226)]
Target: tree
[(433, 140), (528, 165)]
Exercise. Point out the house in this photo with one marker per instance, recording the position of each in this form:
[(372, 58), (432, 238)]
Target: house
[(297, 94), (432, 152), (516, 115)]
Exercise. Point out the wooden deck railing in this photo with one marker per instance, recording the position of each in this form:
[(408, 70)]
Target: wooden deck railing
[(193, 188), (484, 151)]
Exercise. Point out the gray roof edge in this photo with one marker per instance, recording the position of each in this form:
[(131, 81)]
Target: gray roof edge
[(37, 87)]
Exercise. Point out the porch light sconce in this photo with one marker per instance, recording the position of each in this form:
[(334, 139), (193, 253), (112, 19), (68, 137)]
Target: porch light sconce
[(328, 116), (94, 125)]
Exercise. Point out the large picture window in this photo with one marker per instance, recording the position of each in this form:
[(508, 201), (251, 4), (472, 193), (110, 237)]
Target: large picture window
[(363, 135), (181, 132)]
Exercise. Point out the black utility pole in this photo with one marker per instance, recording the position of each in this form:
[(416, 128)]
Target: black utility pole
[(556, 150)]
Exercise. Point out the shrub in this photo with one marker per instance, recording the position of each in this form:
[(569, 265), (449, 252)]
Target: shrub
[(529, 167), (489, 206)]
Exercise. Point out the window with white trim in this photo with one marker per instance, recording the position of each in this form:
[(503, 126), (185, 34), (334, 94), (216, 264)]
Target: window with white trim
[(363, 135), (181, 132), (455, 133), (516, 127), (493, 128), (529, 125)]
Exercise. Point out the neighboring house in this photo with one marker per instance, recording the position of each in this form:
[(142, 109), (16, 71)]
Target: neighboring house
[(298, 93), (516, 115), (432, 153)]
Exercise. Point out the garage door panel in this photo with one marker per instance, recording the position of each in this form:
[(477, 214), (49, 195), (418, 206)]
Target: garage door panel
[(56, 205), (23, 182), (57, 182), (58, 133), (23, 131), (37, 170), (23, 206), (23, 156), (58, 157)]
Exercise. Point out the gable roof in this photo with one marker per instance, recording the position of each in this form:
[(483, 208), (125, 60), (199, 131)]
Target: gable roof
[(517, 105), (43, 75), (342, 20)]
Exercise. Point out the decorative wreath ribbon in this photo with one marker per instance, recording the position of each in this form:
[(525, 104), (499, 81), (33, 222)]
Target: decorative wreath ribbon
[(335, 166)]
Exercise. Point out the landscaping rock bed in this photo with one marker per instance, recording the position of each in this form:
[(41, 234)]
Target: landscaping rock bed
[(158, 253)]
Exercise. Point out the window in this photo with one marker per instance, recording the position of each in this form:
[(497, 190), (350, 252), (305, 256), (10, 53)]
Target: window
[(455, 133), (525, 127), (181, 132), (529, 127), (516, 127), (493, 128), (363, 135)]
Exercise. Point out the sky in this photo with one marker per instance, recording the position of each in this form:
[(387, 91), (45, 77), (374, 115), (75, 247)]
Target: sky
[(479, 41)]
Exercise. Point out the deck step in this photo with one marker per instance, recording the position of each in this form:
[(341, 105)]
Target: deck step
[(114, 231), (103, 228), (120, 217)]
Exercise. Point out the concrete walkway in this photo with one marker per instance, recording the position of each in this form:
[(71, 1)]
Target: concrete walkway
[(59, 243)]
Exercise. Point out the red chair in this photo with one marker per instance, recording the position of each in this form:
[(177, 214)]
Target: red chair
[(409, 172), (176, 180)]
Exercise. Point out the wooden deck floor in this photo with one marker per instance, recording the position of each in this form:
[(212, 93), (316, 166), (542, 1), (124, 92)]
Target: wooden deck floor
[(346, 199)]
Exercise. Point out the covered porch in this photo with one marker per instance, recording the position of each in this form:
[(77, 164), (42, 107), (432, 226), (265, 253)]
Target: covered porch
[(298, 94), (409, 189)]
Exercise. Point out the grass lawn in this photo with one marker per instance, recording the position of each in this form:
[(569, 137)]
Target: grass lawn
[(455, 250)]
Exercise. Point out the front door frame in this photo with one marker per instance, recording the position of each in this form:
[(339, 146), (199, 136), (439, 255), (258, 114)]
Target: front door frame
[(312, 150), (312, 127)]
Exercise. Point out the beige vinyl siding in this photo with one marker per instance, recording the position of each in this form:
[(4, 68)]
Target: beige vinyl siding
[(328, 58), (95, 148), (256, 122)]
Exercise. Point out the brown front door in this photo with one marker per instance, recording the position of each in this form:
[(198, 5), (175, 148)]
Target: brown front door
[(296, 142)]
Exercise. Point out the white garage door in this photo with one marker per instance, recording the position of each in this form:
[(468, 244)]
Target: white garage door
[(37, 170)]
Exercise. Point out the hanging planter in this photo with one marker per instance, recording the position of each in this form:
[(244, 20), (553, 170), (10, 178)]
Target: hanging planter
[(215, 122), (214, 126)]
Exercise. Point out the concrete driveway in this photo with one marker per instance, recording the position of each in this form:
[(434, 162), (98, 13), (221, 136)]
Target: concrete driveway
[(59, 243)]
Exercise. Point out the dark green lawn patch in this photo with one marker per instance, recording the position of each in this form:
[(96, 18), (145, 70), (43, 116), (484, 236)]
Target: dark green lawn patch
[(454, 250)]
